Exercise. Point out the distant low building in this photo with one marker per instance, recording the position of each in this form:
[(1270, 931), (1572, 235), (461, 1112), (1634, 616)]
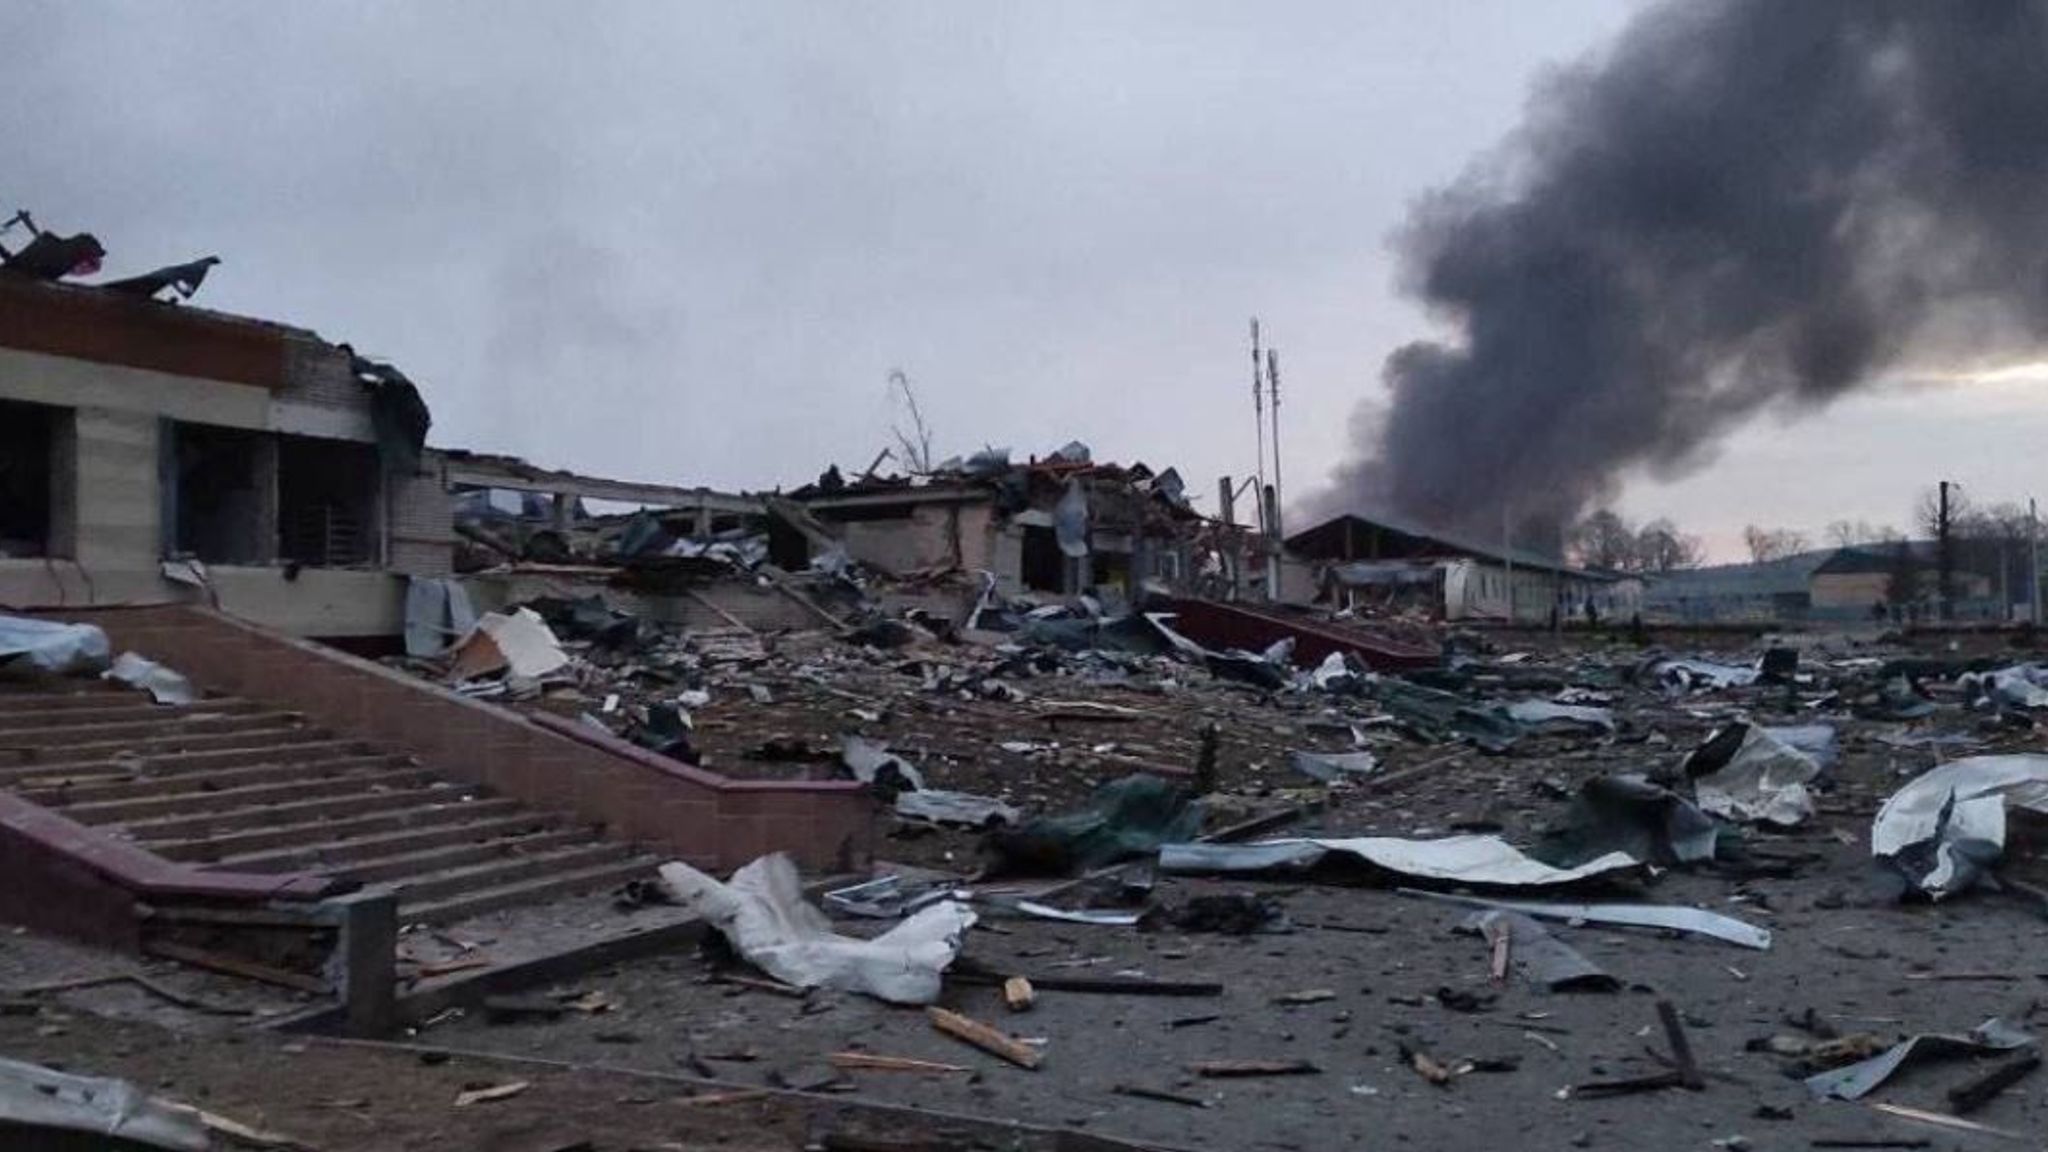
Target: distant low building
[(1361, 562), (1902, 578), (1778, 590)]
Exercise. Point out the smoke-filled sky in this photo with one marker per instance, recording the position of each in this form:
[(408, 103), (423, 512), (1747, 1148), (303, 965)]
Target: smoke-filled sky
[(688, 242)]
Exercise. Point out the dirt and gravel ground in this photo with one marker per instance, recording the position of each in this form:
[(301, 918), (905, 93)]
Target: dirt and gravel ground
[(1846, 958)]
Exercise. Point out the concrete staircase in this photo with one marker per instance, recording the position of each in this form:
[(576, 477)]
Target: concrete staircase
[(233, 785)]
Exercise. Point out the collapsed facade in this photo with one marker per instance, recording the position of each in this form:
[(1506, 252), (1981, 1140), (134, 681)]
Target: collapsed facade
[(156, 453), (1063, 525)]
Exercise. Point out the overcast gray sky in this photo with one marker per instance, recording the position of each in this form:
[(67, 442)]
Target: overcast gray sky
[(687, 242)]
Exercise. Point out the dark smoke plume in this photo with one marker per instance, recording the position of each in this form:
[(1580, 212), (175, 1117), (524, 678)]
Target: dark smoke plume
[(1748, 205)]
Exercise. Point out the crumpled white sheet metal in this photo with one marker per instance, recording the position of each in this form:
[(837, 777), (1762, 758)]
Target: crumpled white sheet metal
[(1945, 827), (1992, 1037), (964, 808), (1548, 715), (1819, 741), (2020, 686), (51, 646), (761, 911), (36, 1097), (1763, 782), (163, 685), (1705, 674), (1674, 917), (1330, 767), (1486, 860)]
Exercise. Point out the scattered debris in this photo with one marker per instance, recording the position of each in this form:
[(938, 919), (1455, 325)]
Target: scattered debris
[(492, 1093), (1994, 1036), (1745, 774), (1483, 860), (1670, 918), (1125, 818), (1018, 995), (870, 1062), (762, 913), (1980, 1090), (987, 1039), (1535, 955), (1233, 1069), (1945, 830), (51, 647), (37, 1099), (163, 685)]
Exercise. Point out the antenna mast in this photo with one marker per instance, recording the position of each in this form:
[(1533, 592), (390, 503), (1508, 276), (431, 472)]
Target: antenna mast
[(1259, 414)]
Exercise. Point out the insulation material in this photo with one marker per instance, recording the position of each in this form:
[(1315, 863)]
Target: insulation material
[(761, 912), (518, 643), (49, 646)]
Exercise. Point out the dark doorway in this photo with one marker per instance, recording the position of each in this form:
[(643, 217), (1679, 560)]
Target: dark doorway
[(28, 434), (1044, 565)]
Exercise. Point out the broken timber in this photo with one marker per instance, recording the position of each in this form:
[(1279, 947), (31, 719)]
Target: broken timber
[(971, 1031)]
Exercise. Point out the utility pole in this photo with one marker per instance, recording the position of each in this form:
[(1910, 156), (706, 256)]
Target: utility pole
[(1945, 555), (1273, 383), (1259, 415), (2033, 563)]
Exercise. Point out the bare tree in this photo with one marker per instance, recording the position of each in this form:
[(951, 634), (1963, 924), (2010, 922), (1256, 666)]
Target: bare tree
[(1857, 533), (915, 446), (1661, 547), (1769, 544), (1603, 540)]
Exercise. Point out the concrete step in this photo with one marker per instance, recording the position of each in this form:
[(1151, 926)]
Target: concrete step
[(508, 871), (316, 835), (380, 846), (219, 821), (400, 866), (533, 891), (174, 765), (343, 778), (167, 722), (136, 707), (98, 695), (119, 785)]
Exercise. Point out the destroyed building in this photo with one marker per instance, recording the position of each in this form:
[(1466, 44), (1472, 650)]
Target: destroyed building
[(1359, 563), (1059, 525), (156, 453)]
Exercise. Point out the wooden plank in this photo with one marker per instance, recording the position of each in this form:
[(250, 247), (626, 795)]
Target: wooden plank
[(987, 1039)]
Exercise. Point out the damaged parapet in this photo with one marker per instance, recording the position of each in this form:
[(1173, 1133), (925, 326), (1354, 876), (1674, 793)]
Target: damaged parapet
[(1063, 524)]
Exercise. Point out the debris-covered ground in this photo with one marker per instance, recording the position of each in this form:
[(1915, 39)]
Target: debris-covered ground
[(1730, 781), (1362, 998)]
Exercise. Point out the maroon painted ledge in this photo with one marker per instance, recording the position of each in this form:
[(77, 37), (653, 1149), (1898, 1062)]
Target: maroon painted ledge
[(144, 874)]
